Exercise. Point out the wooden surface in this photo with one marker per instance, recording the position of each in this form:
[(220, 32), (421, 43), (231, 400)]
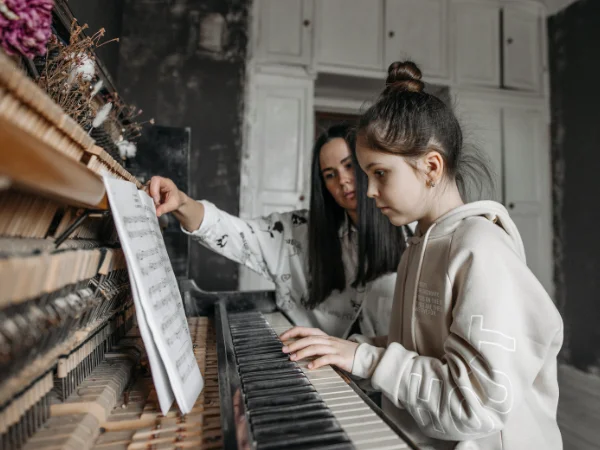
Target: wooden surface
[(579, 409), (34, 166)]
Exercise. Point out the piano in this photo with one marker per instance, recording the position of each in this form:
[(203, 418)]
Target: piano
[(73, 368)]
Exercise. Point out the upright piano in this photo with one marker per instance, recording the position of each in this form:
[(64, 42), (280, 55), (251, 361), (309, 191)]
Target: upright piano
[(73, 368)]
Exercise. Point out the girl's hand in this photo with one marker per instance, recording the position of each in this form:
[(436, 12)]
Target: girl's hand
[(314, 342)]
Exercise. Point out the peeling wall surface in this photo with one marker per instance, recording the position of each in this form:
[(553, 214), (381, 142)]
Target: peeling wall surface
[(574, 35), (183, 63)]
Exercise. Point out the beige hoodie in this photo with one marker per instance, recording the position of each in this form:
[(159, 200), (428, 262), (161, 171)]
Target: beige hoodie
[(473, 339)]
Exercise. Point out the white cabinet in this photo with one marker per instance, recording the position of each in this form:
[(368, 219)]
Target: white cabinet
[(418, 30), (482, 129), (522, 48), (284, 31), (349, 35), (276, 160), (527, 186), (515, 138), (476, 26)]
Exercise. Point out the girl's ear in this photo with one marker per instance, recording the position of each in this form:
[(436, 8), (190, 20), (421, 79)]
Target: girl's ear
[(434, 168)]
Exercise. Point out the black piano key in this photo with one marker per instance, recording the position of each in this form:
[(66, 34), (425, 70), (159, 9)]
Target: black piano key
[(277, 392), (275, 401), (291, 416), (261, 349), (263, 366), (289, 409), (273, 374), (254, 340), (263, 357), (306, 442), (266, 432), (276, 383)]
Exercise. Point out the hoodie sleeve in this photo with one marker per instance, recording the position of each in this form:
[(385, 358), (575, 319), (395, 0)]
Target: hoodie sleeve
[(260, 244), (504, 328)]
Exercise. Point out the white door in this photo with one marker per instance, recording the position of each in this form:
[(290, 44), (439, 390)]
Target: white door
[(527, 184), (476, 28), (406, 37), (275, 168), (522, 49), (349, 34), (284, 33), (482, 129)]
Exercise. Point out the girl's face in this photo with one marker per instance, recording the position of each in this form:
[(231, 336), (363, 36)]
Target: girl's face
[(399, 190), (335, 161)]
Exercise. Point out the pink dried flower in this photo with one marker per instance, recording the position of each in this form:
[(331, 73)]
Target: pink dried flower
[(25, 26)]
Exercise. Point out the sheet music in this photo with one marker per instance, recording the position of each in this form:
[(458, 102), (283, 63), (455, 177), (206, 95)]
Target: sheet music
[(158, 369), (161, 308)]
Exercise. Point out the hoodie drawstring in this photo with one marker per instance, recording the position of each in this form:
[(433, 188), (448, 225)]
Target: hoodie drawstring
[(416, 290)]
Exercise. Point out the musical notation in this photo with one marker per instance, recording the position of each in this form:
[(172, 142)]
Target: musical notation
[(162, 284), (135, 219), (181, 332), (143, 254), (141, 233), (166, 324), (160, 264), (164, 301)]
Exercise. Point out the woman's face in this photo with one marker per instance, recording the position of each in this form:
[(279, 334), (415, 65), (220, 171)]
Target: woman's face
[(337, 170)]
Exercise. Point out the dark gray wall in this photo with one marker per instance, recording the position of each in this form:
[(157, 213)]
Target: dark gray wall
[(105, 14), (166, 69), (575, 70)]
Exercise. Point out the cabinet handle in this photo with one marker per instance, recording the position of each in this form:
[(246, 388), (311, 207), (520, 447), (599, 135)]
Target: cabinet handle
[(509, 41), (391, 34), (302, 198), (511, 206), (306, 22)]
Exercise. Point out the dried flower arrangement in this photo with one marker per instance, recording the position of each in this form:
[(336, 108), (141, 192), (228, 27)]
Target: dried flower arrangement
[(69, 76), (68, 73)]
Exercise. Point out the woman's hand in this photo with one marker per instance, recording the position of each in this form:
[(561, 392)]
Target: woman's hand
[(167, 198), (314, 342)]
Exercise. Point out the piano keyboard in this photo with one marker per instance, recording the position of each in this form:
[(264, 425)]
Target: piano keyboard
[(292, 407)]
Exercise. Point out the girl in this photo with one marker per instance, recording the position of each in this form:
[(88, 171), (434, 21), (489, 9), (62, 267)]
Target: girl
[(311, 256), (471, 354)]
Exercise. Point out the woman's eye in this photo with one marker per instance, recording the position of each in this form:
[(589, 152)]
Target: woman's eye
[(328, 175), (349, 166)]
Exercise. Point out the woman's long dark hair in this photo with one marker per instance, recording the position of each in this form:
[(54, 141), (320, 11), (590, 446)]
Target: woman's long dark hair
[(380, 244)]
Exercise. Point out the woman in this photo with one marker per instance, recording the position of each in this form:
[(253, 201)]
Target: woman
[(470, 359), (312, 256)]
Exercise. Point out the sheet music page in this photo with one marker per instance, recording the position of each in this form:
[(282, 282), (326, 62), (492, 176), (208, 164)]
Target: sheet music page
[(161, 303), (157, 368)]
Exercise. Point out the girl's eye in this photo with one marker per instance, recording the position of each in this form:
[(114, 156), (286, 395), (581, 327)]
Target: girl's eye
[(379, 173), (328, 175), (349, 166)]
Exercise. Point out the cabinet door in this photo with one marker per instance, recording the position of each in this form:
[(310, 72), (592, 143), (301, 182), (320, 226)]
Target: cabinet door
[(477, 43), (527, 184), (418, 30), (275, 168), (522, 50), (482, 127), (285, 31), (350, 34)]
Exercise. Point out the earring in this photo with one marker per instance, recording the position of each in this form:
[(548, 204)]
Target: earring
[(431, 183)]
